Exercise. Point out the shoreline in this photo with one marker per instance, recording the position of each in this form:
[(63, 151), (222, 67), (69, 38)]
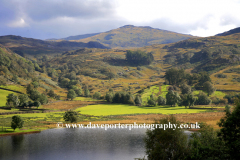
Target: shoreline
[(18, 133)]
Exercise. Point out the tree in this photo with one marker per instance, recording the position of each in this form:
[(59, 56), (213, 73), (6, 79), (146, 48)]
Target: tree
[(117, 98), (71, 94), (166, 144), (186, 89), (151, 101), (203, 99), (35, 84), (37, 104), (29, 89), (138, 100), (97, 95), (161, 100), (23, 98), (139, 57), (87, 93), (203, 77), (206, 145), (208, 88), (70, 116), (51, 94), (230, 131), (17, 122), (42, 99), (15, 78), (34, 95), (12, 100), (172, 98), (174, 76), (78, 91), (188, 100), (109, 96)]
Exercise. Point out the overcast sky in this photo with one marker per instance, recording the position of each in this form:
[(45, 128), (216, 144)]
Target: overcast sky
[(44, 19)]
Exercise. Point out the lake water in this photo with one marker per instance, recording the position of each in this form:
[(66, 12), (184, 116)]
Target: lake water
[(82, 144)]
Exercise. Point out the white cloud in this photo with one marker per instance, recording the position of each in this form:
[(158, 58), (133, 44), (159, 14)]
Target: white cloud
[(209, 16), (64, 18)]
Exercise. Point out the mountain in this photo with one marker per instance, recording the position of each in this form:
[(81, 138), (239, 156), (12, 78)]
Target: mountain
[(130, 36), (232, 31), (95, 67), (78, 37), (30, 46)]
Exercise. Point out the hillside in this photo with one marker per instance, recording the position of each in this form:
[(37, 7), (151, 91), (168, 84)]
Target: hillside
[(130, 36), (30, 46), (232, 31), (17, 72), (80, 36), (101, 69)]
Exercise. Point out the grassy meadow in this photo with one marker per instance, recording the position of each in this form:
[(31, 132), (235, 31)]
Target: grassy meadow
[(120, 109), (3, 95)]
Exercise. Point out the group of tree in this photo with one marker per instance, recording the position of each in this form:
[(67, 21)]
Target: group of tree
[(123, 97), (139, 57), (13, 66), (21, 101), (76, 92), (186, 98), (52, 94), (205, 144), (35, 95), (174, 76)]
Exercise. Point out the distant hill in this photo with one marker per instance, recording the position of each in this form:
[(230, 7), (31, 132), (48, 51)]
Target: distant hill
[(32, 46), (209, 54), (130, 36), (232, 31), (78, 37)]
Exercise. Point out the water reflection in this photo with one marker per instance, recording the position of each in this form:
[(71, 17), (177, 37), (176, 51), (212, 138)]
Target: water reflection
[(86, 144)]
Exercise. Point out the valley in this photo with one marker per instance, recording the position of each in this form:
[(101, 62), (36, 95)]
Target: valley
[(32, 67)]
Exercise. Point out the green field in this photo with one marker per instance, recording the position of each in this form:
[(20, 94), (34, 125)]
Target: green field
[(15, 88), (120, 109), (3, 95), (217, 94), (155, 91)]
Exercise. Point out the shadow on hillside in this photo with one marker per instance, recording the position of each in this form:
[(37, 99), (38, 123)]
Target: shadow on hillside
[(118, 62)]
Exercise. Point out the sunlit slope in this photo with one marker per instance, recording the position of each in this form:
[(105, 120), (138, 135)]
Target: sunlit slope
[(131, 36)]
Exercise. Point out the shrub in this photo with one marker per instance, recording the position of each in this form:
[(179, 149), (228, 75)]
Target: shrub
[(220, 75), (97, 95)]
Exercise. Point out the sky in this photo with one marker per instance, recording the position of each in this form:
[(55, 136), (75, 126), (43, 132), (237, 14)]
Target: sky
[(44, 19)]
